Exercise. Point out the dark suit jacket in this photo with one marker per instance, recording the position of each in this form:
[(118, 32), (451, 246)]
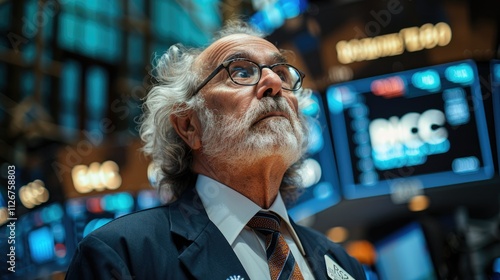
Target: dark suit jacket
[(178, 241)]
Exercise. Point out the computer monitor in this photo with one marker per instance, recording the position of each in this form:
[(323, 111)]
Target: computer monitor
[(41, 243), (87, 214), (404, 255), (319, 171), (495, 92), (413, 129)]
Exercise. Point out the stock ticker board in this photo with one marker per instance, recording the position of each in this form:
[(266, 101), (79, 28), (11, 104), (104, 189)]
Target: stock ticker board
[(414, 129)]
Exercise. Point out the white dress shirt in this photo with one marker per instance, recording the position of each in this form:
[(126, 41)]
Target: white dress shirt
[(230, 211)]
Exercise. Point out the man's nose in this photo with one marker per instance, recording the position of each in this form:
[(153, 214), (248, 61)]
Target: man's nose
[(269, 85)]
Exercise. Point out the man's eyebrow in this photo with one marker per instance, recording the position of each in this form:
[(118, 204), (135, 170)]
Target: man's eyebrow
[(276, 57), (280, 58), (237, 55)]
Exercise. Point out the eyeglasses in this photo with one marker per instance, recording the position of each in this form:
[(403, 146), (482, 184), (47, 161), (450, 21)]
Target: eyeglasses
[(248, 73)]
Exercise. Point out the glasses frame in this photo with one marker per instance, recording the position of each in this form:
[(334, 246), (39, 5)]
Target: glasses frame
[(225, 65)]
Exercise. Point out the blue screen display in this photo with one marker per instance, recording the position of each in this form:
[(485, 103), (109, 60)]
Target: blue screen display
[(404, 255), (319, 172), (415, 129), (495, 92), (42, 242), (87, 214)]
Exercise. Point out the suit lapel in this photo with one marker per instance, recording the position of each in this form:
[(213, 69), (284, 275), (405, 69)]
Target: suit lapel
[(206, 254), (315, 252)]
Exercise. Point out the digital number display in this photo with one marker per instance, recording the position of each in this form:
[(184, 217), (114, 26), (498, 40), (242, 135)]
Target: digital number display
[(419, 128)]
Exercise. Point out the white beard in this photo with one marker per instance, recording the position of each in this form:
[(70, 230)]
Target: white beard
[(235, 141)]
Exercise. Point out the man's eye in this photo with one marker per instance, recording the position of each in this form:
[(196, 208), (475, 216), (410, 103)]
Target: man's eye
[(284, 76), (241, 73)]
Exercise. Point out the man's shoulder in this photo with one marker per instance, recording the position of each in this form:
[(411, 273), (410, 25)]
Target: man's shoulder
[(139, 223), (145, 215)]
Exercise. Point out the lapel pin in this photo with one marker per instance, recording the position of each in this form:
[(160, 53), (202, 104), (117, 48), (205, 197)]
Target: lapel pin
[(235, 277)]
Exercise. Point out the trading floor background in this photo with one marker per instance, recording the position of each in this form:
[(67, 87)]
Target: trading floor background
[(403, 167)]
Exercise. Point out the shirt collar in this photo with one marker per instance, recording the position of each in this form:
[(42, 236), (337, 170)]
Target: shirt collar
[(230, 211)]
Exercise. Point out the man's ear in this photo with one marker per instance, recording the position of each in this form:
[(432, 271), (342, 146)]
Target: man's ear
[(188, 127)]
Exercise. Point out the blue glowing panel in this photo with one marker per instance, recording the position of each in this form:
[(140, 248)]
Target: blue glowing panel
[(41, 244), (70, 89), (404, 255), (421, 128), (97, 95), (319, 172), (495, 92), (272, 15), (172, 20), (89, 213), (148, 199)]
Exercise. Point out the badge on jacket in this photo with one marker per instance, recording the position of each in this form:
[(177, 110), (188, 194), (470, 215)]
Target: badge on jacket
[(335, 271)]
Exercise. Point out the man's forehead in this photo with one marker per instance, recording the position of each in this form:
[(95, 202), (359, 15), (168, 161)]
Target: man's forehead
[(239, 44)]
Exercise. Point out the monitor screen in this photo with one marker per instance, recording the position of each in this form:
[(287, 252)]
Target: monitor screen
[(87, 214), (404, 255), (415, 129), (41, 242), (318, 172), (495, 92)]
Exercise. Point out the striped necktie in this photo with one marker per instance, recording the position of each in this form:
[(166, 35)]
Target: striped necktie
[(281, 262)]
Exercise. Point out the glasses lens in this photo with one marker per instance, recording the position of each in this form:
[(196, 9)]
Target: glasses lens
[(290, 77), (244, 72)]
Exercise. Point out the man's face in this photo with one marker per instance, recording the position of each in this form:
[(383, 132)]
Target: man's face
[(247, 123)]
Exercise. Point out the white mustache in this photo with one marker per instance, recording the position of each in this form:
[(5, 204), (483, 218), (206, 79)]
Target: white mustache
[(271, 105)]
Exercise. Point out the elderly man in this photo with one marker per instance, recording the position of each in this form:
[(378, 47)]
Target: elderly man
[(224, 126)]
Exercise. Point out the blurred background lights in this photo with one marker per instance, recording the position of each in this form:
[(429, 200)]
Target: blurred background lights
[(41, 243), (147, 199), (323, 190), (363, 251), (272, 14), (338, 234), (496, 72), (52, 213), (412, 39), (462, 74), (153, 175), (119, 202), (418, 203), (33, 194), (310, 172), (94, 205), (96, 176), (95, 224), (426, 80), (59, 232), (80, 179), (340, 74), (3, 215), (316, 141), (60, 250), (75, 208), (311, 108)]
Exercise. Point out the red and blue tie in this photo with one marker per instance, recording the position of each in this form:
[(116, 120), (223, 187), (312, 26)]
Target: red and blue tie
[(281, 262)]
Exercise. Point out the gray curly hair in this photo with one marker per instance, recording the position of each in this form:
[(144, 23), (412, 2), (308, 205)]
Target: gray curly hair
[(173, 93)]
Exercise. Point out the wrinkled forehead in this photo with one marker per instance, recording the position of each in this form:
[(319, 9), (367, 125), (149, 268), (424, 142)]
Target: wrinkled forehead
[(240, 45)]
